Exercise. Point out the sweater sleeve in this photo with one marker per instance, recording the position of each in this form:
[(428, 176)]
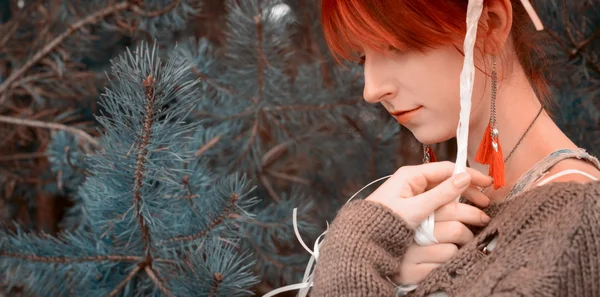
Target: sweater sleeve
[(364, 244)]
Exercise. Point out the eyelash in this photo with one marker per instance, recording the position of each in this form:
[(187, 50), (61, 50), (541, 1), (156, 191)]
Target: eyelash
[(361, 61)]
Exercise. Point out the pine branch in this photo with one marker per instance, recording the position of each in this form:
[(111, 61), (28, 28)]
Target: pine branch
[(262, 59), (290, 178), (251, 139), (227, 212), (141, 158), (48, 125), (23, 156), (269, 188), (251, 111), (14, 23), (217, 280), (207, 146), (65, 260), (124, 283), (157, 281), (209, 81), (92, 18), (155, 13)]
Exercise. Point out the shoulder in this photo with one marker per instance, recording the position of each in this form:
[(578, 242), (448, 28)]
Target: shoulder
[(570, 203), (560, 202), (576, 190), (576, 171)]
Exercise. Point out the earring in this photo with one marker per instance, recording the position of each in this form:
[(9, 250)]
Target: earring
[(428, 155), (490, 150)]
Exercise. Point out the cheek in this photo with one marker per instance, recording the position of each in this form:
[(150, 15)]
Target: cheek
[(434, 78)]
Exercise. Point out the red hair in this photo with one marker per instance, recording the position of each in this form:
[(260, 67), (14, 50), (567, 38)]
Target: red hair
[(419, 25)]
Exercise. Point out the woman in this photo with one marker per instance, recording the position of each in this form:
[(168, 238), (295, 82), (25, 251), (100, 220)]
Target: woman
[(531, 230)]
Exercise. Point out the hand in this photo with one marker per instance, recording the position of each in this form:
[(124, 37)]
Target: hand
[(450, 217), (451, 232), (414, 192)]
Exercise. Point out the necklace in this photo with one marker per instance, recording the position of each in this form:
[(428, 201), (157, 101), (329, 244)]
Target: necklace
[(520, 140), (523, 136)]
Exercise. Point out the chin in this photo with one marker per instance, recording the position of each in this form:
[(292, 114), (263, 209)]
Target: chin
[(432, 134)]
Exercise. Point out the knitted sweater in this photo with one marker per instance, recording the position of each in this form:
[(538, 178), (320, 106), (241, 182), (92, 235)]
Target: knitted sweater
[(548, 244)]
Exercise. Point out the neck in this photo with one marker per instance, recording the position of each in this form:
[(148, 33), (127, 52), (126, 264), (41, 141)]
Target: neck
[(516, 107)]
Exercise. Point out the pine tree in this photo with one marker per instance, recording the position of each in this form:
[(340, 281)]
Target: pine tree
[(261, 103), (301, 135), (159, 222)]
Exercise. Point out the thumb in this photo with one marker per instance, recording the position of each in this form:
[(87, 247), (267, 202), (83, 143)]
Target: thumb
[(445, 192)]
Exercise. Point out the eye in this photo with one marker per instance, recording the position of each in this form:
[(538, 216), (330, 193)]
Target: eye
[(361, 62), (391, 48)]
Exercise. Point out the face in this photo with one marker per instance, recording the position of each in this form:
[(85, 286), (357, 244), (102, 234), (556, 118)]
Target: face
[(424, 84)]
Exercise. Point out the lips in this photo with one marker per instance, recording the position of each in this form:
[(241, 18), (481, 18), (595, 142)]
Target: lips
[(405, 116), (397, 113)]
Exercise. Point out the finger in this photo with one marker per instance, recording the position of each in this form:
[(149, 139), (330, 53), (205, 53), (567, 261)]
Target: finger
[(463, 213), (417, 178), (444, 193), (474, 195), (478, 179), (452, 232), (417, 273), (436, 253)]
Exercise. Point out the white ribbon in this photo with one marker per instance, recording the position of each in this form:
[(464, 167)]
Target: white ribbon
[(307, 282), (424, 233)]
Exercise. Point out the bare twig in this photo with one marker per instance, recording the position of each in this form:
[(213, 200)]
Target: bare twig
[(288, 177), (207, 146), (217, 221), (140, 168), (157, 281), (122, 284), (211, 82), (251, 139), (49, 259), (88, 20), (270, 188), (92, 18), (48, 125), (262, 61), (22, 156), (155, 13)]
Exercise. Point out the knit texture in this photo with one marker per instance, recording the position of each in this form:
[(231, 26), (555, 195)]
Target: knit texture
[(548, 245), (365, 242)]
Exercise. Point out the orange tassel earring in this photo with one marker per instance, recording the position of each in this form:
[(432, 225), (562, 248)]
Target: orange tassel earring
[(490, 150), (428, 155)]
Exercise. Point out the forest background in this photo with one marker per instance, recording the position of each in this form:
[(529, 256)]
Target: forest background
[(158, 147)]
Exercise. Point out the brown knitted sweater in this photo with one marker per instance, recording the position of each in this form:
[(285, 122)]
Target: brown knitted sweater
[(548, 244)]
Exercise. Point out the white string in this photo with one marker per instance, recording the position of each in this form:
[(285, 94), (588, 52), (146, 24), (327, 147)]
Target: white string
[(424, 235), (563, 173), (306, 283)]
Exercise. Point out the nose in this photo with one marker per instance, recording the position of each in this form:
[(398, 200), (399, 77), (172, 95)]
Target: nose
[(378, 85)]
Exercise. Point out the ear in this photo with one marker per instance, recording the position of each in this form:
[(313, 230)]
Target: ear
[(497, 17)]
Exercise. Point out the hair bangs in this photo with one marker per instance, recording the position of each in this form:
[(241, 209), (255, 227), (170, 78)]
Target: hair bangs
[(351, 25)]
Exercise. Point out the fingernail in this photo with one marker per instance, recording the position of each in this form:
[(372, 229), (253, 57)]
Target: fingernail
[(485, 219), (462, 179)]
